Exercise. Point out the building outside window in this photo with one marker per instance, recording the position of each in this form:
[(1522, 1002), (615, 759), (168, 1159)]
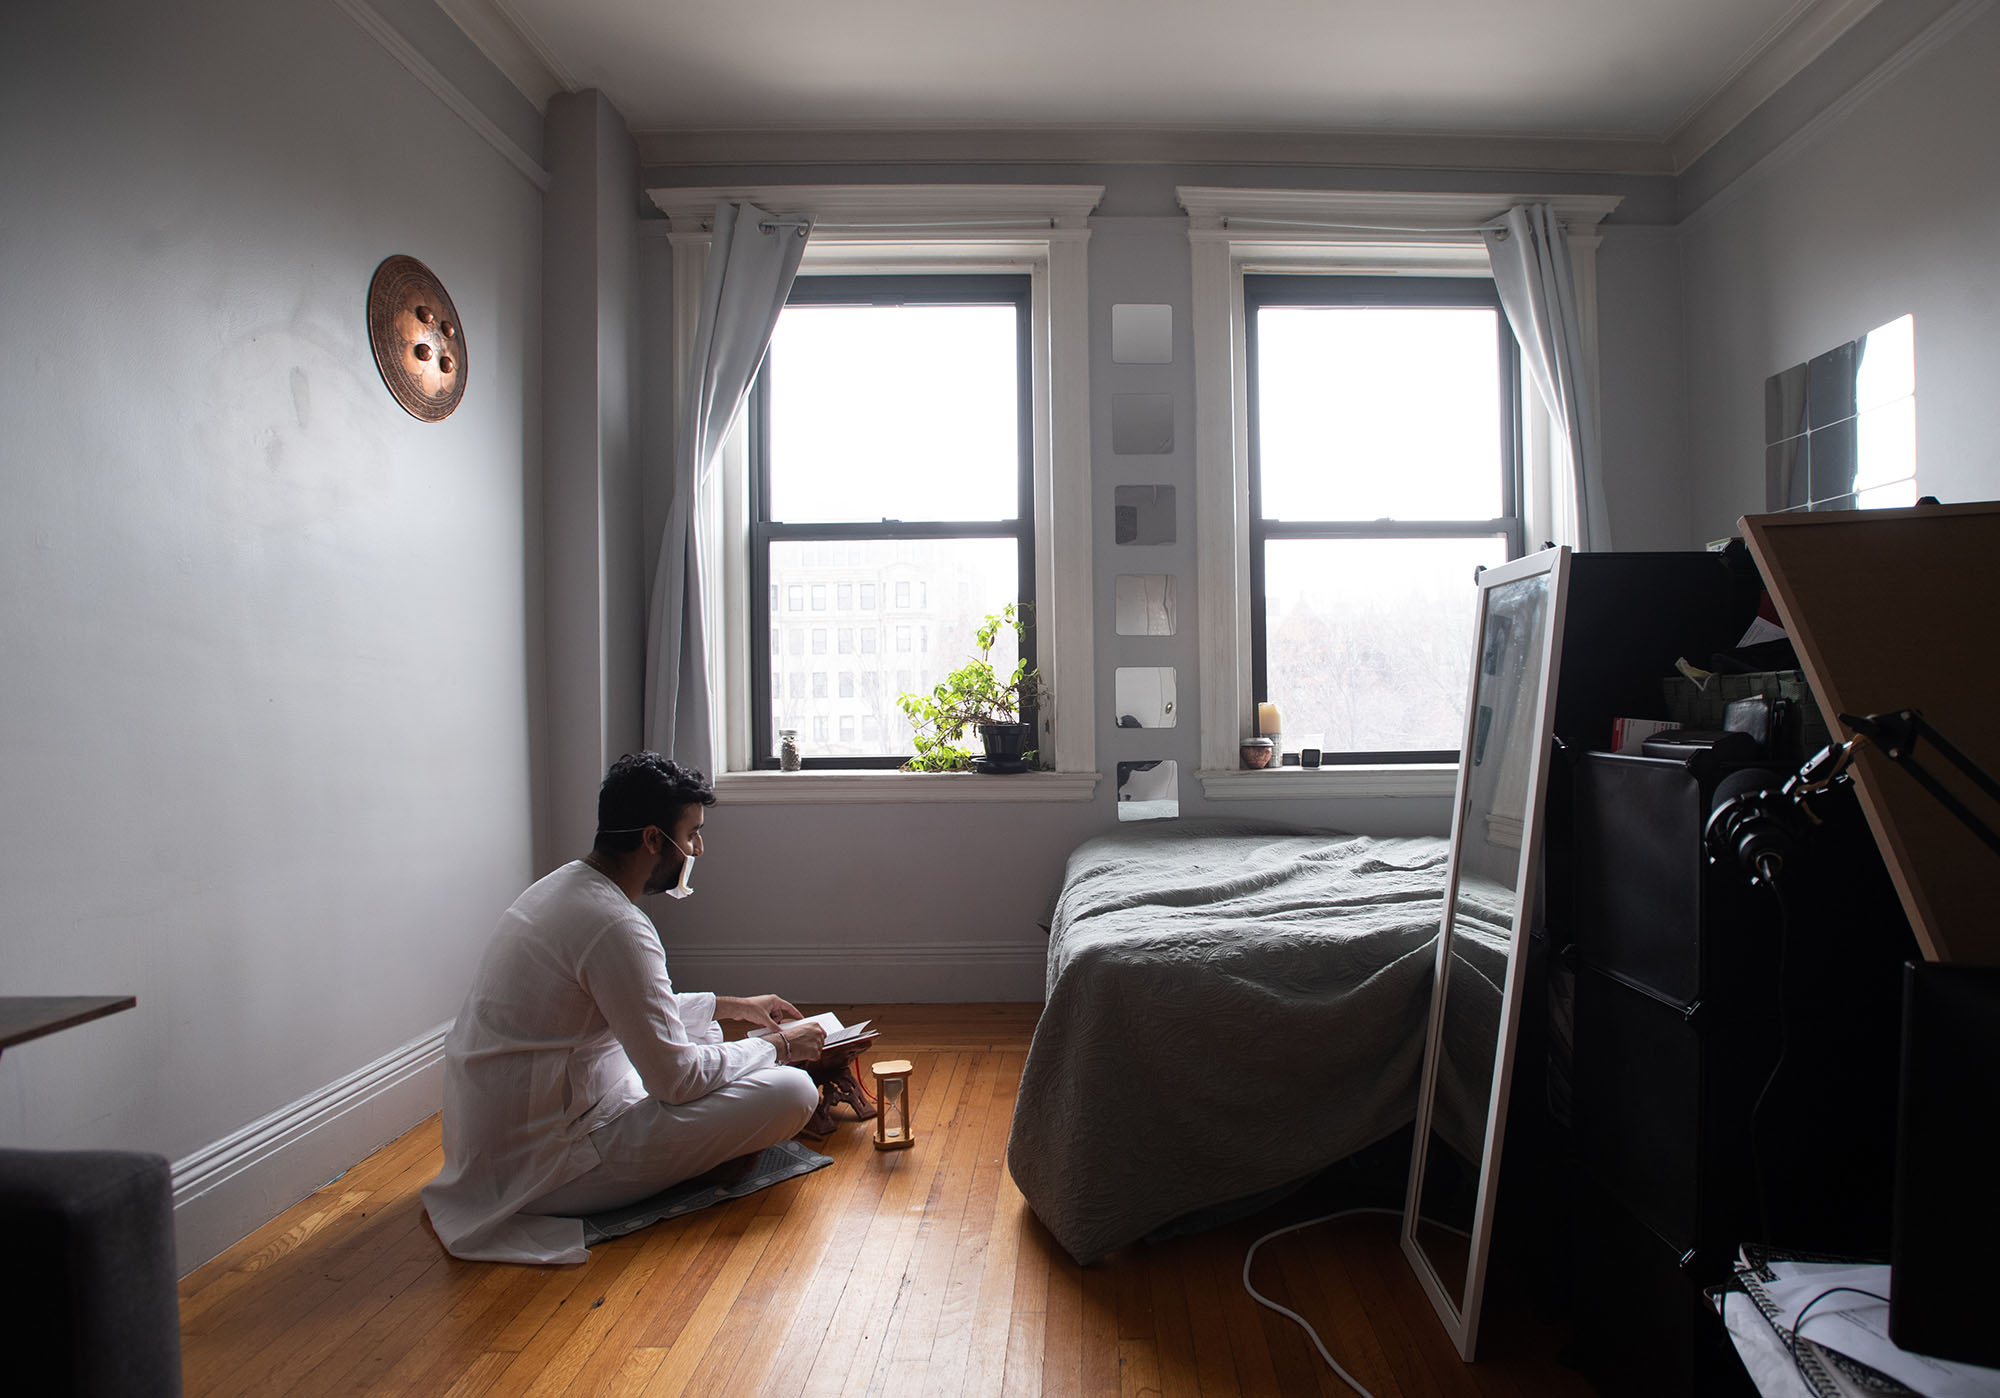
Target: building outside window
[(1384, 470), (891, 427)]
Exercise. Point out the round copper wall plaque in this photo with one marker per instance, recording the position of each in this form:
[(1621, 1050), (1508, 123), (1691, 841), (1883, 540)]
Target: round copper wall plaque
[(418, 341)]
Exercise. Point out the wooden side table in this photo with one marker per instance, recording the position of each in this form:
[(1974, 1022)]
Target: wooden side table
[(25, 1017)]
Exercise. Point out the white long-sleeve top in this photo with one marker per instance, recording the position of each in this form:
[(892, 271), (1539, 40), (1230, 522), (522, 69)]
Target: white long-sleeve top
[(570, 1020)]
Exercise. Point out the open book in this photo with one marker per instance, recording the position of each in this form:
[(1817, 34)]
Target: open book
[(837, 1033)]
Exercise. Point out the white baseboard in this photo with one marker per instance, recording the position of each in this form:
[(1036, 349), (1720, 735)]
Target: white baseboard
[(225, 1191), (922, 973)]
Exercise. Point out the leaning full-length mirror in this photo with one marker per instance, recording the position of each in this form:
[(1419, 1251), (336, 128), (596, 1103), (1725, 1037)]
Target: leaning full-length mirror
[(1468, 1055)]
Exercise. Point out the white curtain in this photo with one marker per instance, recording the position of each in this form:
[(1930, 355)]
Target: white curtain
[(752, 259), (1531, 270)]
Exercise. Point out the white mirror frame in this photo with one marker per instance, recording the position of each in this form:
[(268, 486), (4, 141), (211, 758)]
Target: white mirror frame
[(1462, 1324)]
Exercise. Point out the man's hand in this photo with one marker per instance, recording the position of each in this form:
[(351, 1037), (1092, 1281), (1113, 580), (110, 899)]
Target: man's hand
[(764, 1011), (800, 1042)]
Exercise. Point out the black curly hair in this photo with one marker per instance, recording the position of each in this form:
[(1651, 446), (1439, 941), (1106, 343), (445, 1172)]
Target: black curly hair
[(642, 789)]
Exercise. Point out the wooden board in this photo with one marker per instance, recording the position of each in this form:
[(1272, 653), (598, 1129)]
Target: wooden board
[(1895, 609)]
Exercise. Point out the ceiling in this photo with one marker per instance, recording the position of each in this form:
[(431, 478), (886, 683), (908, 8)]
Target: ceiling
[(1661, 76)]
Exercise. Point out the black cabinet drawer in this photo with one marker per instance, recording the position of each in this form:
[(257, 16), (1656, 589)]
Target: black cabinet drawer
[(1637, 871)]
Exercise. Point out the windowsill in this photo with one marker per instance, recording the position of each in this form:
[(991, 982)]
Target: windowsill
[(1306, 783), (880, 788)]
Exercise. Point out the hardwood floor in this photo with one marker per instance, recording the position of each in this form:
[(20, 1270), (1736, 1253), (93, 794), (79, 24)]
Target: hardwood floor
[(907, 1272)]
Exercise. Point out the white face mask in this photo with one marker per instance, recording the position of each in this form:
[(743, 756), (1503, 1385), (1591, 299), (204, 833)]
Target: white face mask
[(681, 889)]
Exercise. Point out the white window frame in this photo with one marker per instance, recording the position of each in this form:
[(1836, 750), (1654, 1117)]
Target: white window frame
[(1233, 231), (1041, 230)]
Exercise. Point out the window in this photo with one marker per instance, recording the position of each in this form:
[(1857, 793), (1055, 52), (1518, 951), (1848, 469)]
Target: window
[(871, 729), (923, 594), (847, 728), (868, 640), (819, 640), (844, 640), (1384, 469), (895, 411), (795, 641), (845, 597), (1037, 235), (819, 728), (795, 598), (819, 684), (847, 684), (795, 684)]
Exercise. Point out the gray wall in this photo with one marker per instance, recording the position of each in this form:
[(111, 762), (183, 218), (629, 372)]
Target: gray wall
[(1889, 205), (264, 714), (941, 902)]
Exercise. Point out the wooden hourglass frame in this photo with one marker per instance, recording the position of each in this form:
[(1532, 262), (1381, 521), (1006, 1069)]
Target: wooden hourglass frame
[(893, 1129)]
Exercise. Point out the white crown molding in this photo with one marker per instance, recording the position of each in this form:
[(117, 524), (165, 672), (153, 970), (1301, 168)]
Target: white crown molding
[(908, 210), (375, 26), (228, 1189), (1093, 145), (512, 46), (1805, 32), (1939, 32)]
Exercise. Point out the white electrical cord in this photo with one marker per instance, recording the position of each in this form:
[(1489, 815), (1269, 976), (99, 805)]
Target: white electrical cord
[(1261, 1299)]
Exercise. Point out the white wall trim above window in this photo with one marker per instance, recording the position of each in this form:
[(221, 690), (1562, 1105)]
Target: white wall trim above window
[(1039, 229), (1374, 232)]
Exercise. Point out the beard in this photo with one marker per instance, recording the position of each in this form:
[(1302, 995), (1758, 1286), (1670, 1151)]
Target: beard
[(666, 872)]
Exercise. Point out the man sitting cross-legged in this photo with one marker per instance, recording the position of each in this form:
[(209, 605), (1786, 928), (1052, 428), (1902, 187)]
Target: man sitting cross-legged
[(577, 1079)]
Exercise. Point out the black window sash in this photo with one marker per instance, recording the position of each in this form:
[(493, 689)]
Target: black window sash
[(913, 289), (1272, 289)]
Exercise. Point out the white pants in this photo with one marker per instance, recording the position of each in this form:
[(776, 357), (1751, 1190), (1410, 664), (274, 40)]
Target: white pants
[(651, 1145)]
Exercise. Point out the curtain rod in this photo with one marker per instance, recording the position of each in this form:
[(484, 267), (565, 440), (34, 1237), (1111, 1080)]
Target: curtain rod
[(803, 224), (1229, 222)]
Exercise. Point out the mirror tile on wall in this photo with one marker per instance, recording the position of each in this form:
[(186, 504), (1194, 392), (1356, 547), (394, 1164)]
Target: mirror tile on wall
[(1149, 790), (1142, 424), (1830, 469), (1885, 366), (1785, 475), (1145, 604), (1830, 386), (1143, 696), (1785, 404), (1142, 334), (1143, 514)]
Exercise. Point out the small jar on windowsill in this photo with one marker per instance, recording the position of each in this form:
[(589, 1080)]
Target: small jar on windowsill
[(1258, 753)]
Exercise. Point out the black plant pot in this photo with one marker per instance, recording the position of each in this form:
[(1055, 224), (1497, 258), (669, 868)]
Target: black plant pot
[(1006, 744)]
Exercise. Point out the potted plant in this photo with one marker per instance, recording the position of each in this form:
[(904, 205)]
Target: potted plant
[(975, 696)]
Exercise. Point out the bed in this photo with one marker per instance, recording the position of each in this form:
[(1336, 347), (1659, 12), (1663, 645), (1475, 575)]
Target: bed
[(1232, 1006)]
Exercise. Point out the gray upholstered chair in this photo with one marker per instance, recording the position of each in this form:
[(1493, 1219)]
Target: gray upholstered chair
[(87, 1238)]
